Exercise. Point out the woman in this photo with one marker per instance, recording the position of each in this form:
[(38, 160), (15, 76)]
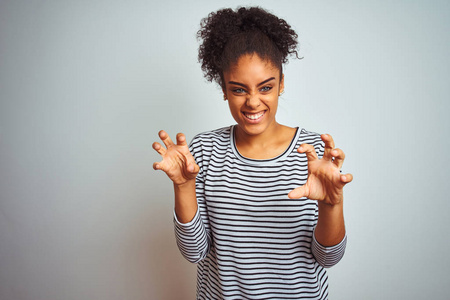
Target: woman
[(258, 205)]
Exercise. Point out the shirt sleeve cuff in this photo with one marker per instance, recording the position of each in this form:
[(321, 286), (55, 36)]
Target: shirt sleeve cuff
[(328, 256), (188, 224)]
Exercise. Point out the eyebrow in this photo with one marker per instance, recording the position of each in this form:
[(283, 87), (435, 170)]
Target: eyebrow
[(259, 84)]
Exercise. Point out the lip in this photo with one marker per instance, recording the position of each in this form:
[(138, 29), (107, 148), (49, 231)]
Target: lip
[(260, 115)]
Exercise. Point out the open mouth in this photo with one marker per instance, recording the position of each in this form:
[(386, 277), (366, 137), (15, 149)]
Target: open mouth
[(254, 117)]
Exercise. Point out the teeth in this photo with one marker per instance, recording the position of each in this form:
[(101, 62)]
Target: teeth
[(254, 116)]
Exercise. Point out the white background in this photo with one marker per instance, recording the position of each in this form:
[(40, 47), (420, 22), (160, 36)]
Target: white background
[(86, 85)]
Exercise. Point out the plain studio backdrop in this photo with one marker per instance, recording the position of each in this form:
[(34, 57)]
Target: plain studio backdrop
[(86, 85)]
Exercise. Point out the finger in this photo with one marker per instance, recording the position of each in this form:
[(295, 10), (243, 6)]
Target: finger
[(157, 166), (338, 156), (165, 138), (329, 146), (298, 193), (192, 168), (181, 139), (309, 151), (346, 178), (158, 148)]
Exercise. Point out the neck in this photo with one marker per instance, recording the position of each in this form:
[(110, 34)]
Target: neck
[(269, 144), (260, 140)]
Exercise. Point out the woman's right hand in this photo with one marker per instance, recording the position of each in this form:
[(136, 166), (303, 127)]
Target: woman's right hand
[(177, 161)]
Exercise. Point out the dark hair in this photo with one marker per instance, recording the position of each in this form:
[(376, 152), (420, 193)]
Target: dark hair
[(227, 35)]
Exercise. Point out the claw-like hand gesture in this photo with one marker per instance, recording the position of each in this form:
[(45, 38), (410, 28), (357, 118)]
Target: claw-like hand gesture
[(325, 182), (177, 162)]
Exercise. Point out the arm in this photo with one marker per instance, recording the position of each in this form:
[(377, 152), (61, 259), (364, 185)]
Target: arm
[(330, 228), (325, 183), (193, 238), (180, 166), (329, 238), (185, 201)]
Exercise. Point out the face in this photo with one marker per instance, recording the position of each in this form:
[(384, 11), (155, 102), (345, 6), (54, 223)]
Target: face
[(252, 87)]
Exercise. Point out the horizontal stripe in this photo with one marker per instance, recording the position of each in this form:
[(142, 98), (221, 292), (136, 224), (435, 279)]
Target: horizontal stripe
[(249, 239)]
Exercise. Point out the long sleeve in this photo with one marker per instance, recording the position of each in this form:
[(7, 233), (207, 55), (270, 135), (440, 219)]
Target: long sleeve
[(328, 256), (194, 238)]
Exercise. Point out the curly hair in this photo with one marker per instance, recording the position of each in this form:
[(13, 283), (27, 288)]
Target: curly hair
[(227, 35)]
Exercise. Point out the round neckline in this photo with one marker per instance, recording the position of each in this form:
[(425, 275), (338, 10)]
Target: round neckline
[(285, 153)]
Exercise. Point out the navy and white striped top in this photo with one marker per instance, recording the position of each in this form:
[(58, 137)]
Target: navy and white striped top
[(249, 239)]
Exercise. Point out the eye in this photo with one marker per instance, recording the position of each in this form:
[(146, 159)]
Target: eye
[(266, 89), (239, 91)]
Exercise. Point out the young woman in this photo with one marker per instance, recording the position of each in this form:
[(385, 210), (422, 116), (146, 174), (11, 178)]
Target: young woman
[(258, 205)]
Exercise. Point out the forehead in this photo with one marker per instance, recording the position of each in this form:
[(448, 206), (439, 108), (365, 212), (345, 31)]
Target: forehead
[(252, 65)]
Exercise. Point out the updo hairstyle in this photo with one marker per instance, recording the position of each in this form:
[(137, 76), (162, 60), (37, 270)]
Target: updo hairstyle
[(226, 35)]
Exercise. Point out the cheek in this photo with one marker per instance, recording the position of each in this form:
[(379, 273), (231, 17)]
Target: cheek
[(275, 106), (271, 103), (235, 110)]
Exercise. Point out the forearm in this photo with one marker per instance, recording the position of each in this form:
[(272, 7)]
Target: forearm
[(330, 228), (190, 228), (185, 201)]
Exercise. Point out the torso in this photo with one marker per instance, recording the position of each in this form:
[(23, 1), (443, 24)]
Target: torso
[(260, 239)]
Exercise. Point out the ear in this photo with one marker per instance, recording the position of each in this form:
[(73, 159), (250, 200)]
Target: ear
[(281, 90), (224, 94)]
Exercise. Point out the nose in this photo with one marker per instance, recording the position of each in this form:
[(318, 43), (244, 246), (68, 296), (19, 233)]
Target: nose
[(253, 101)]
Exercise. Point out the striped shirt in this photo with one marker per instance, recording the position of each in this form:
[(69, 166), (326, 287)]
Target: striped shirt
[(249, 239)]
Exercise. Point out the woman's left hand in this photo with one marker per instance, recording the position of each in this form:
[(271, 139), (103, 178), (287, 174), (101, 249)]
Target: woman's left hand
[(325, 181)]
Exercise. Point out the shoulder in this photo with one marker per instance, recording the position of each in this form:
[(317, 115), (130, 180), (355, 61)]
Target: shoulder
[(311, 138), (221, 136), (203, 145)]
